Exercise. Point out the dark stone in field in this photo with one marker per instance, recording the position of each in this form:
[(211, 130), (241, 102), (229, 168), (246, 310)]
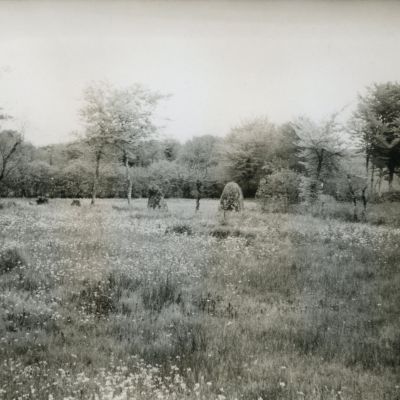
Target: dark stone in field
[(76, 203), (232, 198), (180, 229), (42, 200), (224, 233), (156, 199)]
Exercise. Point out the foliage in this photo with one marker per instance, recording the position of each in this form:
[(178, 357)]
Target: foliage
[(198, 168), (280, 187), (11, 257), (247, 148), (376, 123), (180, 229), (199, 155), (10, 143), (117, 119), (320, 151), (75, 178)]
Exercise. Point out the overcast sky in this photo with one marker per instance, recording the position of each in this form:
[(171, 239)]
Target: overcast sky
[(222, 62)]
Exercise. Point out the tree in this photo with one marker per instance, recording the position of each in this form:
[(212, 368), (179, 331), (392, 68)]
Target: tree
[(41, 177), (246, 150), (279, 189), (116, 121), (199, 155), (286, 155), (320, 150), (376, 123), (76, 178), (171, 149), (98, 121), (10, 142), (132, 112)]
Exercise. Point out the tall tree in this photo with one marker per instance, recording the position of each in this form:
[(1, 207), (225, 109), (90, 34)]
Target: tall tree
[(199, 155), (132, 113), (117, 120), (247, 148), (376, 122), (98, 135), (171, 149), (10, 142), (320, 150)]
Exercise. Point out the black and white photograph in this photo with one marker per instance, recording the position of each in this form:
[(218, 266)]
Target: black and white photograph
[(199, 200)]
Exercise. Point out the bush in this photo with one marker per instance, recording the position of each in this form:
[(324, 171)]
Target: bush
[(393, 196), (97, 298), (225, 232), (42, 200), (7, 204), (160, 294), (232, 198), (11, 258), (180, 229), (281, 188)]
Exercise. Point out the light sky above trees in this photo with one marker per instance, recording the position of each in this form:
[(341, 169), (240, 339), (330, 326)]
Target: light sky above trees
[(222, 62)]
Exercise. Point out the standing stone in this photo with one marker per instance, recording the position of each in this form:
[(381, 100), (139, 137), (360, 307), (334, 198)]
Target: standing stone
[(42, 200), (156, 198), (232, 198)]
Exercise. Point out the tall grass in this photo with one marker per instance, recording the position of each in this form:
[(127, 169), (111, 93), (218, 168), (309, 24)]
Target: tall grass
[(183, 305)]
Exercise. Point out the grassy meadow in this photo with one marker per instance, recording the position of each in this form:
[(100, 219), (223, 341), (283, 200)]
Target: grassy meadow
[(108, 302)]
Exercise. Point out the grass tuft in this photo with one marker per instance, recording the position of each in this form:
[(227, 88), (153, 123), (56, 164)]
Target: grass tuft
[(180, 229), (12, 257)]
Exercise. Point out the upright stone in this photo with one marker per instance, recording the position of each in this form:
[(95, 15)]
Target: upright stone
[(156, 198), (232, 198)]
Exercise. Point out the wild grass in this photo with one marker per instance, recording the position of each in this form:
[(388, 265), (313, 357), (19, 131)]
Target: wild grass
[(116, 302)]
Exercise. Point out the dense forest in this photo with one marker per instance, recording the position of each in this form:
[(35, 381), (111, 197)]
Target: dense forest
[(120, 154)]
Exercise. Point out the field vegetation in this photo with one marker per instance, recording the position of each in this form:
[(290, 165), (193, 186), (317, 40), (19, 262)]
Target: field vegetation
[(171, 295), (118, 302)]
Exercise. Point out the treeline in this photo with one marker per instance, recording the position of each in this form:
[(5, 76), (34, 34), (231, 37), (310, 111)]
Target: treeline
[(66, 170), (119, 155)]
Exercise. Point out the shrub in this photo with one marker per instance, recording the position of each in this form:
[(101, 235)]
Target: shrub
[(392, 196), (160, 294), (97, 298), (180, 229), (280, 188), (225, 232), (119, 208), (11, 258), (25, 312), (232, 198), (76, 203), (42, 200), (7, 204)]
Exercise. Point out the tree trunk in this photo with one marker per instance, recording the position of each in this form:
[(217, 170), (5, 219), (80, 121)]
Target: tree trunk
[(391, 175), (372, 179), (380, 183), (319, 165), (129, 181), (364, 200), (353, 197), (198, 194), (96, 178)]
